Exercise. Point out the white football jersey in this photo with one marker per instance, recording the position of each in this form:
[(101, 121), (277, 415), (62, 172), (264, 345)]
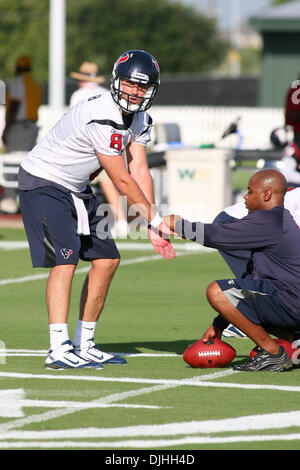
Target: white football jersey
[(87, 91), (291, 203), (67, 153)]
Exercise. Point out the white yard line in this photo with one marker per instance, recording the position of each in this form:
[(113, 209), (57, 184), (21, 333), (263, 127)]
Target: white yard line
[(80, 405), (183, 430), (37, 277), (103, 400), (41, 353), (150, 444), (57, 413), (240, 424), (122, 246), (133, 380), (12, 354), (13, 246)]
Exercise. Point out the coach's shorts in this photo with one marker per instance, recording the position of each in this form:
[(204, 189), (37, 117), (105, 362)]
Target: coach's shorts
[(50, 220), (258, 301)]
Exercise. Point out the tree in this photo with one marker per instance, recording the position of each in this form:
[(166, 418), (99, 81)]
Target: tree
[(180, 39), (278, 2), (24, 30)]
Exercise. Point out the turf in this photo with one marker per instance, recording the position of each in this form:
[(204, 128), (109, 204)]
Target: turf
[(154, 310)]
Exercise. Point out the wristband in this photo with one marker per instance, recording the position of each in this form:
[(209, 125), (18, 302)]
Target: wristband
[(156, 221)]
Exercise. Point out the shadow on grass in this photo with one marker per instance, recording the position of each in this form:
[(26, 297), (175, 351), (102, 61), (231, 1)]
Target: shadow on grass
[(177, 347), (172, 347)]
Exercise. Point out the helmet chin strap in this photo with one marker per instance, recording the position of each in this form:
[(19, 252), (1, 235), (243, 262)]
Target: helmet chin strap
[(131, 107), (124, 102)]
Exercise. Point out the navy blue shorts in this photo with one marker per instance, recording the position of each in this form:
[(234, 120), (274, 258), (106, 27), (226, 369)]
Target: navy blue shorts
[(50, 220), (258, 301)]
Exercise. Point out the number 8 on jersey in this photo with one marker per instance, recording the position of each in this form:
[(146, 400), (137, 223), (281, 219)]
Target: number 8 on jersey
[(116, 142)]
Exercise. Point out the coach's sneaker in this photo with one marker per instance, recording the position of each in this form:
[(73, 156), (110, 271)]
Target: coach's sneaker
[(233, 332), (64, 357), (264, 361), (90, 352)]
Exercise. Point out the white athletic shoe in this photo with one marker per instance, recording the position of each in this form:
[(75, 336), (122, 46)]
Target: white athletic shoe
[(64, 357), (233, 332), (90, 352)]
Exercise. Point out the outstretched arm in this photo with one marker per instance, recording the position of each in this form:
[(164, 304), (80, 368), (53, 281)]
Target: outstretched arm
[(136, 184), (159, 234)]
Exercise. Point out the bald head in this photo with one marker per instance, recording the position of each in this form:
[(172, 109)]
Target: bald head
[(266, 190), (271, 180)]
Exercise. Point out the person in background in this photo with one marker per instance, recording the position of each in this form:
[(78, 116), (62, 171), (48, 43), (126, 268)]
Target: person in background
[(283, 140), (292, 110), (23, 99), (89, 84), (237, 260)]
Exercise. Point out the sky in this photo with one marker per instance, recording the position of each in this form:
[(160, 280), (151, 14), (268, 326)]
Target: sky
[(230, 12)]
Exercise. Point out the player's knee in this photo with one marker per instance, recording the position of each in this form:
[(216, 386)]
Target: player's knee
[(108, 265), (114, 264), (63, 269)]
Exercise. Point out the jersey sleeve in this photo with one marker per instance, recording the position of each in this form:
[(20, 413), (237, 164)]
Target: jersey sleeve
[(257, 230), (144, 135)]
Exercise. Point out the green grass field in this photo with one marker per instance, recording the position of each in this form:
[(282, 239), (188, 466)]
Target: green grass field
[(155, 309)]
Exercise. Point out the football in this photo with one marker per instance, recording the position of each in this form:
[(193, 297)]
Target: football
[(289, 347), (214, 353)]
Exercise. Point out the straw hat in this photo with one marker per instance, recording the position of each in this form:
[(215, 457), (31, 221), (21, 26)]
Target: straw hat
[(88, 73)]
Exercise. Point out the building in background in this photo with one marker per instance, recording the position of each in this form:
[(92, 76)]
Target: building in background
[(280, 30)]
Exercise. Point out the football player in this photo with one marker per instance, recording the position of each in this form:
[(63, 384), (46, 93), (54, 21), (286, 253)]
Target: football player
[(62, 218), (264, 299), (237, 260)]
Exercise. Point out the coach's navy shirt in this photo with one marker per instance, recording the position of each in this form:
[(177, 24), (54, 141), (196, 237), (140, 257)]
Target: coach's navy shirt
[(274, 240)]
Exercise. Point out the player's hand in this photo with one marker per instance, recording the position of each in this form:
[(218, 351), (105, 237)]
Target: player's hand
[(170, 221), (211, 333), (160, 241)]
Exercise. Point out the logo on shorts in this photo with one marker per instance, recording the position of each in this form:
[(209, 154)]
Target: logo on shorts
[(66, 252)]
